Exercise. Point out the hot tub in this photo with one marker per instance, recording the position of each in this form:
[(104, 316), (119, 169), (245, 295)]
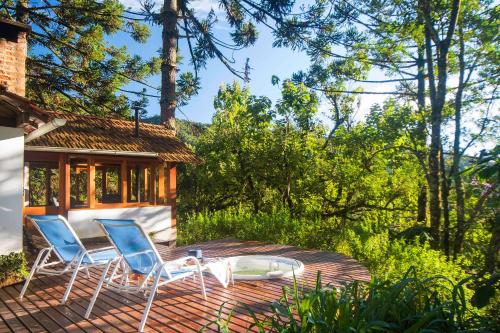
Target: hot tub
[(259, 267)]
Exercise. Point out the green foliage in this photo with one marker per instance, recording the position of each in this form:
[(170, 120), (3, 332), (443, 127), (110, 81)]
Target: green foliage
[(410, 304), (264, 157), (12, 268), (276, 174), (385, 257), (72, 64)]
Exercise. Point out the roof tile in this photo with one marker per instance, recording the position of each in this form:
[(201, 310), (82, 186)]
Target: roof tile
[(91, 132)]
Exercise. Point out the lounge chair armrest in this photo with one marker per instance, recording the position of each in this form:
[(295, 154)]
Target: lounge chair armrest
[(183, 260), (167, 266), (101, 249)]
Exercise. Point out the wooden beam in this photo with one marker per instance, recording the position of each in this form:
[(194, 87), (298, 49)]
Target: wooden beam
[(62, 184), (67, 184), (172, 192), (152, 187), (91, 183), (124, 177), (172, 183), (161, 184), (147, 192)]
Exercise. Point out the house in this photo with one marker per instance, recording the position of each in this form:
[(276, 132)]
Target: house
[(79, 166)]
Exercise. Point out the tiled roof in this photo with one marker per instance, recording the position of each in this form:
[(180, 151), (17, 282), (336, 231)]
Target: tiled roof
[(110, 134)]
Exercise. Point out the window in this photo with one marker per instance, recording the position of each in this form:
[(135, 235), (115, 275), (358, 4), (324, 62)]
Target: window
[(108, 184), (42, 188), (138, 182), (157, 185), (78, 184)]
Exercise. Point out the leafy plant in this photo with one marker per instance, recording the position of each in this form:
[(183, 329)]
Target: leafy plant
[(386, 258), (411, 304), (12, 268)]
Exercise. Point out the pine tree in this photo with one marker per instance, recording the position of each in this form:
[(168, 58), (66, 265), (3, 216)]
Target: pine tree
[(179, 20), (71, 66)]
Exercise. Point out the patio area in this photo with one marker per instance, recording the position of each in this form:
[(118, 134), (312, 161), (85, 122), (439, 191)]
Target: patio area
[(178, 307)]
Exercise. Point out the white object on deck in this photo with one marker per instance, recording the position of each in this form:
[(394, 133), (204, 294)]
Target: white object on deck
[(262, 267)]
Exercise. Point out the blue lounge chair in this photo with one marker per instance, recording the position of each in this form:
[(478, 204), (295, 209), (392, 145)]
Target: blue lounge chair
[(139, 256), (68, 249)]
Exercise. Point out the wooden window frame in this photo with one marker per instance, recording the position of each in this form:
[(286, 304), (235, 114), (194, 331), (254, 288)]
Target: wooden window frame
[(119, 164), (166, 179), (47, 165)]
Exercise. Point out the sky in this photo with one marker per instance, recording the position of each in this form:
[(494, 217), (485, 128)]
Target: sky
[(265, 62)]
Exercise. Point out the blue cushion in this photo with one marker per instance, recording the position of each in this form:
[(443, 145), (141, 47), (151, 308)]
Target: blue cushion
[(132, 243)]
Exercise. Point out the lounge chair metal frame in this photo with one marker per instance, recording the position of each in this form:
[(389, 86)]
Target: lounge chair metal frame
[(151, 280), (43, 267)]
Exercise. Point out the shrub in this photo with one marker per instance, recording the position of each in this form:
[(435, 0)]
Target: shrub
[(12, 268), (410, 304), (385, 257)]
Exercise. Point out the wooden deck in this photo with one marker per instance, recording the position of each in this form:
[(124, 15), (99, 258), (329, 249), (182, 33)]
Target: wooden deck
[(178, 307)]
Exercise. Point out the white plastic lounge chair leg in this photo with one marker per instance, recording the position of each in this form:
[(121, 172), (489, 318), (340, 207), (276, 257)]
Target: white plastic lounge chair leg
[(153, 289), (88, 273), (202, 284), (32, 272), (73, 278), (98, 289), (113, 273)]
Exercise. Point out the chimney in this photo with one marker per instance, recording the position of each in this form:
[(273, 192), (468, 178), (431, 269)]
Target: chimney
[(13, 51)]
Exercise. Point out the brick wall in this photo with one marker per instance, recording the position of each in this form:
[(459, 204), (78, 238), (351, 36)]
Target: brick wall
[(13, 49)]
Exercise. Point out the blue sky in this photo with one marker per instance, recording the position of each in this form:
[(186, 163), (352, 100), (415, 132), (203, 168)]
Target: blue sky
[(264, 60)]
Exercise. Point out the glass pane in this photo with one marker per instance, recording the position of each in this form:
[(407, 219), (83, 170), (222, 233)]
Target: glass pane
[(78, 184), (157, 182), (145, 179), (43, 184), (138, 183), (132, 184), (108, 184)]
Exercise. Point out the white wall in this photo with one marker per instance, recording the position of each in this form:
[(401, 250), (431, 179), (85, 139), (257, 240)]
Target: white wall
[(11, 189), (155, 219)]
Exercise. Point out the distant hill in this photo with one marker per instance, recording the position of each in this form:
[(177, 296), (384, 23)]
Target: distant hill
[(187, 131)]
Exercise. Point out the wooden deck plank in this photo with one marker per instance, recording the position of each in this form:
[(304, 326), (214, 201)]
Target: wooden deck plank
[(49, 309), (28, 319), (9, 320), (75, 312), (136, 305), (178, 307)]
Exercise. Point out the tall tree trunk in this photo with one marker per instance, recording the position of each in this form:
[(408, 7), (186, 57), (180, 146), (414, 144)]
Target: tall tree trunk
[(421, 135), (445, 191), (457, 177), (169, 35), (433, 178), (437, 98)]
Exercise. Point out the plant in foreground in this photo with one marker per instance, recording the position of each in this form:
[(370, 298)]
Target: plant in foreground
[(411, 304), (12, 268)]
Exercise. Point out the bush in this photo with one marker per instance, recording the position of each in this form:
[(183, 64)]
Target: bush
[(411, 304), (385, 257), (12, 268)]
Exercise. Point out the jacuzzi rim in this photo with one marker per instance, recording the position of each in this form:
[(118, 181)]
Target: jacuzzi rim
[(289, 274)]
